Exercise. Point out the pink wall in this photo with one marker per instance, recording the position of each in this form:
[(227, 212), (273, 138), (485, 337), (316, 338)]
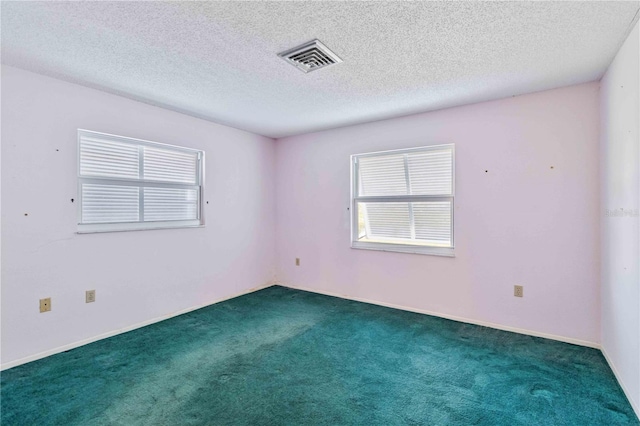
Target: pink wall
[(138, 276), (620, 174), (522, 222)]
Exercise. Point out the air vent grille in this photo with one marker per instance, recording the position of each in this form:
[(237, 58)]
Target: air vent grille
[(310, 56)]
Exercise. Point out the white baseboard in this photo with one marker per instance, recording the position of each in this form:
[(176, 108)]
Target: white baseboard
[(83, 342), (454, 318), (634, 405)]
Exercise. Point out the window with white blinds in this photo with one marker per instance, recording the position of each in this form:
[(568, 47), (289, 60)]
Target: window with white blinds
[(130, 184), (403, 200)]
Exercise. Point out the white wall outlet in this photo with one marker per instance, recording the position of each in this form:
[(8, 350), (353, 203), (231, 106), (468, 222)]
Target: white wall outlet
[(90, 296), (518, 291), (297, 261)]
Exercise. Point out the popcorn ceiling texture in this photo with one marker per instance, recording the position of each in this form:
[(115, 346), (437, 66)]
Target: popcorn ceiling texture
[(219, 61)]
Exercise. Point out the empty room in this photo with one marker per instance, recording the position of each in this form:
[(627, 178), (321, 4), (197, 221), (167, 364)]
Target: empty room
[(320, 213)]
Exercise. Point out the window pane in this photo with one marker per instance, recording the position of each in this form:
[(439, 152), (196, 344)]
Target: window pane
[(433, 222), (417, 223), (385, 220), (431, 172), (109, 203), (130, 184), (108, 159), (382, 175), (162, 204), (411, 193), (170, 166)]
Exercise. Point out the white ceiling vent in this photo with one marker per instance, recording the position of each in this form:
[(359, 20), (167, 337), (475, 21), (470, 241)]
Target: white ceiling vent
[(310, 56)]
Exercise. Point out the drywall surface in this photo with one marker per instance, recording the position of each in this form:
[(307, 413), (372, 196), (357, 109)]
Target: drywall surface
[(140, 275), (620, 217), (526, 212)]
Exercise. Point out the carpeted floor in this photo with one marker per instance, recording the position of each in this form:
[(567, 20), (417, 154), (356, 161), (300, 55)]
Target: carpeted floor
[(282, 356)]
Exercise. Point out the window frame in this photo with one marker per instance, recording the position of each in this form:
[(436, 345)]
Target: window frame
[(90, 228), (394, 247)]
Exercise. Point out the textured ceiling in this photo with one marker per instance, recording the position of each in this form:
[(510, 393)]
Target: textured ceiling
[(218, 60)]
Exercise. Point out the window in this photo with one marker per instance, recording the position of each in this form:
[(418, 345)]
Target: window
[(403, 200), (129, 184)]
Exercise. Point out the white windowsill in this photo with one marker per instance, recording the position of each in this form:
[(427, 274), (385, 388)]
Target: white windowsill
[(398, 248), (98, 230)]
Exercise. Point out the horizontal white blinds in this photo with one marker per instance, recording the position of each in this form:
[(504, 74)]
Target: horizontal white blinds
[(387, 220), (108, 159), (110, 203), (431, 172), (124, 180), (419, 223), (405, 197), (414, 173), (170, 166), (170, 204), (383, 175), (432, 222)]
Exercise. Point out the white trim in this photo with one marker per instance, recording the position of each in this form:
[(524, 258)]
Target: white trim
[(558, 338), (453, 317), (140, 182), (612, 366), (135, 141), (95, 228), (83, 342), (579, 342), (409, 247), (401, 248), (404, 150), (402, 198)]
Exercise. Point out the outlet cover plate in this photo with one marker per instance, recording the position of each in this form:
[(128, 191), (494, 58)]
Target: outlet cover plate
[(90, 296), (518, 291), (45, 305)]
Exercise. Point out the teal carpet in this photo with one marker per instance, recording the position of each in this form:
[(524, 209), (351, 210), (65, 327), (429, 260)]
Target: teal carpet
[(287, 357)]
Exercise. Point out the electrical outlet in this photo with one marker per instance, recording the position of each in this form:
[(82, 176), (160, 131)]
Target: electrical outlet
[(518, 291), (90, 296), (45, 305), (297, 261)]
